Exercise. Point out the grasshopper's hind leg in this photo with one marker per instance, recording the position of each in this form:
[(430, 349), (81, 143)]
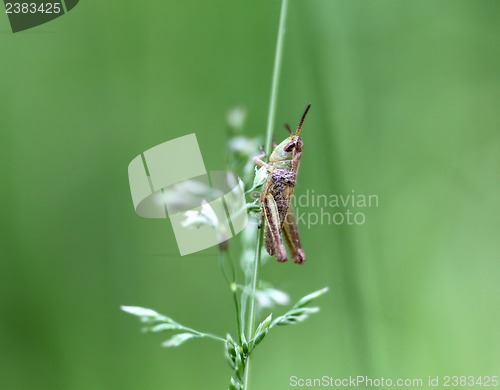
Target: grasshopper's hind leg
[(291, 233), (272, 233)]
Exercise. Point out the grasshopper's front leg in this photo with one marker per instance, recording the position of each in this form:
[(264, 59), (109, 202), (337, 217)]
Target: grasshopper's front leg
[(272, 234), (291, 231), (258, 159)]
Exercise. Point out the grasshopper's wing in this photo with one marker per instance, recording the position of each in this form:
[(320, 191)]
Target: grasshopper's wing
[(281, 187), (272, 233), (291, 233)]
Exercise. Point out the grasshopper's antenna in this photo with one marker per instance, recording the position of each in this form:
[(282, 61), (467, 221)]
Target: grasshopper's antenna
[(302, 119), (287, 126)]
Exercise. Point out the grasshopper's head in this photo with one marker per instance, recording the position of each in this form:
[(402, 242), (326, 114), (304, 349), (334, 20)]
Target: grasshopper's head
[(292, 146)]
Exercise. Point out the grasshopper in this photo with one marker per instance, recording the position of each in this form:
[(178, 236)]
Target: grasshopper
[(276, 195)]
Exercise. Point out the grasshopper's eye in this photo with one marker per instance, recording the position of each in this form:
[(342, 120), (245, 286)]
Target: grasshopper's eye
[(289, 146)]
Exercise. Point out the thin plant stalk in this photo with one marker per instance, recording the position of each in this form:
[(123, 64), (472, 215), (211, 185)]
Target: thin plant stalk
[(231, 281), (276, 76), (252, 301), (269, 135)]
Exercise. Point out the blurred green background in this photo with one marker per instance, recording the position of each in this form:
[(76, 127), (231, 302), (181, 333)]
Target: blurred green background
[(405, 106)]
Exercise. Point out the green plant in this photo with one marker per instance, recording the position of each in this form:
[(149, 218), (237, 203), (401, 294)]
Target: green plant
[(253, 296)]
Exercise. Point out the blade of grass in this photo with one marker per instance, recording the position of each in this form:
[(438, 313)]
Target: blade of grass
[(269, 135)]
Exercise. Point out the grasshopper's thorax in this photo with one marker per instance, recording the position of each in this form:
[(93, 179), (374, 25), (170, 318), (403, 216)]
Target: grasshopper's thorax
[(287, 154)]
